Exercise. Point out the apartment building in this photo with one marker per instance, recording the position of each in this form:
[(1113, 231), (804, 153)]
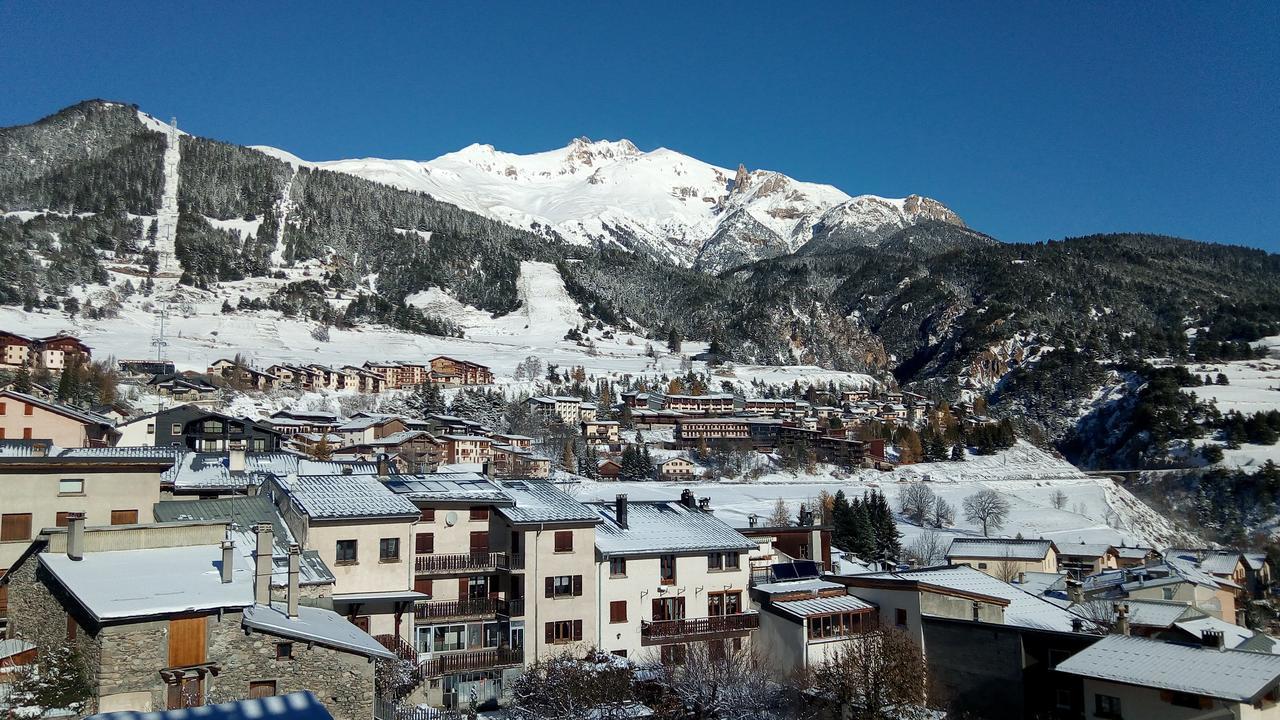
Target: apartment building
[(706, 405), (670, 574), (451, 371), (713, 431), (1004, 558), (363, 533), (562, 408), (27, 417), (601, 432), (464, 449), (42, 486)]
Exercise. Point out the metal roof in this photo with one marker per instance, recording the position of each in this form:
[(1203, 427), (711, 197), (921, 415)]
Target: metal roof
[(447, 487), (539, 501), (1092, 550), (999, 548), (664, 527), (346, 496), (210, 471), (294, 706), (1235, 675), (1214, 562), (313, 624), (824, 605)]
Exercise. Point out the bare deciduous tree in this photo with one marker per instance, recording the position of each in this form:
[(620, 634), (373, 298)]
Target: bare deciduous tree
[(880, 676), (916, 502), (595, 685), (987, 507), (944, 513), (928, 548), (1059, 499), (780, 516), (717, 681)]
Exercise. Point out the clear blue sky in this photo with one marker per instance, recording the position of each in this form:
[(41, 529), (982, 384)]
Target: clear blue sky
[(1032, 120)]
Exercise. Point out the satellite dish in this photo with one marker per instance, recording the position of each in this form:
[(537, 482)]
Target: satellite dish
[(450, 518)]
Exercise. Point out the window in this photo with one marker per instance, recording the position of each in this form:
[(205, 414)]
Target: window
[(26, 433), (28, 409), (563, 586), (261, 688), (259, 445), (15, 526), (617, 567), (724, 603), (667, 569), (389, 550), (448, 637), (900, 617), (563, 631), (668, 609), (124, 517), (346, 553), (428, 515), (1169, 593), (70, 487), (564, 541), (714, 561), (424, 543), (213, 426), (618, 611), (835, 625), (62, 519), (422, 586), (3, 408), (1106, 706), (151, 428), (982, 566), (284, 651), (175, 429), (479, 513), (731, 561), (722, 561)]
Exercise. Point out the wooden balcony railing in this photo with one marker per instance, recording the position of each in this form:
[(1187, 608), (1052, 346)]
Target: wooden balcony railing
[(469, 661), (402, 649), (709, 628), (512, 608), (469, 607), (445, 564)]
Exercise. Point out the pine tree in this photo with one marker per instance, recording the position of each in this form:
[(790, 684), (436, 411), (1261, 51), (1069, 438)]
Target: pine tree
[(957, 452), (842, 522), (22, 380)]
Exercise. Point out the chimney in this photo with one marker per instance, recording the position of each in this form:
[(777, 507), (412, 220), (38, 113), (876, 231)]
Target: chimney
[(1122, 619), (1075, 592), (384, 469), (1213, 639), (687, 499), (977, 611), (228, 560), (1022, 577), (75, 536), (620, 510), (486, 468), (294, 552), (1077, 624), (752, 519), (816, 548), (262, 565), (235, 459), (704, 504)]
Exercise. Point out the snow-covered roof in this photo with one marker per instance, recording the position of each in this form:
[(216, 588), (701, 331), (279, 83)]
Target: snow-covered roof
[(539, 501), (1255, 561), (1155, 613), (447, 487), (809, 585), (999, 548), (313, 624), (1024, 609), (664, 527), (1233, 675), (467, 438), (346, 496), (84, 416), (364, 422), (293, 706), (210, 471), (1125, 552), (1089, 550), (1038, 583), (1232, 635), (1214, 562), (823, 605), (121, 584), (1190, 569)]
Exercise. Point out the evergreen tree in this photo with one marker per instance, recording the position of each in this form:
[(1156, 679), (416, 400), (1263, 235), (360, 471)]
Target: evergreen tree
[(673, 341), (22, 379), (957, 452)]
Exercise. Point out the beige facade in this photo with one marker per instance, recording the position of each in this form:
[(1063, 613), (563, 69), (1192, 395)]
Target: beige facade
[(23, 417), (467, 449), (1219, 602), (561, 621), (1144, 702)]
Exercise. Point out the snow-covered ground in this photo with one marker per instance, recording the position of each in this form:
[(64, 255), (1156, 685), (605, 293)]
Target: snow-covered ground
[(1254, 387), (1096, 509)]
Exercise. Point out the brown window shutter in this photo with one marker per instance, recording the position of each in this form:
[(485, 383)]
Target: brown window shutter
[(424, 543), (186, 641), (422, 586), (480, 542), (463, 585), (551, 587), (551, 632), (577, 584), (577, 629), (124, 517)]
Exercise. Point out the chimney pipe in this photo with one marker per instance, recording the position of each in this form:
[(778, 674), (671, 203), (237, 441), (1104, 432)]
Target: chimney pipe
[(620, 510), (228, 560), (1213, 639), (1022, 577), (1122, 618), (1077, 625), (262, 564), (235, 459), (75, 536), (687, 499), (1075, 592), (383, 469), (294, 552)]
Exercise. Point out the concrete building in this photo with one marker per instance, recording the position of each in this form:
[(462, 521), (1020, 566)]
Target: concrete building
[(804, 622), (27, 417), (670, 574)]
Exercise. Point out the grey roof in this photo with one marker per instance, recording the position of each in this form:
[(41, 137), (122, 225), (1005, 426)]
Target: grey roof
[(1214, 562), (1039, 583), (313, 624), (1133, 553), (293, 706), (244, 513), (664, 527), (1024, 609), (44, 450), (346, 496), (1092, 550), (83, 416), (794, 586), (539, 501), (121, 584), (447, 487), (1234, 675), (1193, 571), (1157, 613), (364, 422), (209, 471), (824, 605), (1233, 635), (999, 548)]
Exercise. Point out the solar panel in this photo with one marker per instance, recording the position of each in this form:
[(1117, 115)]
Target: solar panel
[(785, 571), (806, 569)]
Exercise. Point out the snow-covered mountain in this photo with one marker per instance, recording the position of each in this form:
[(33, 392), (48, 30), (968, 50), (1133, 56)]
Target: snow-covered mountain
[(659, 202)]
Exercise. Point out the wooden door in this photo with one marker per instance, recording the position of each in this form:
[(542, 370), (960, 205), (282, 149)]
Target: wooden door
[(186, 693), (186, 641)]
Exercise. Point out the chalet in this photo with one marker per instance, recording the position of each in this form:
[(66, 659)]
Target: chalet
[(194, 620), (1174, 580), (854, 396), (676, 468), (28, 417), (289, 422), (326, 378), (398, 374), (670, 574), (1004, 558), (655, 419), (16, 350), (183, 387), (241, 375), (609, 469), (415, 451), (1082, 559), (600, 432), (196, 428), (1134, 677), (366, 427), (56, 351), (438, 424), (451, 371), (1127, 557), (1259, 572)]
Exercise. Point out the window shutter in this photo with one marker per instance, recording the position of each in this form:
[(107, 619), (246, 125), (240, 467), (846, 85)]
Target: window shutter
[(551, 633), (577, 629), (551, 588), (577, 584), (422, 586), (424, 544), (463, 585)]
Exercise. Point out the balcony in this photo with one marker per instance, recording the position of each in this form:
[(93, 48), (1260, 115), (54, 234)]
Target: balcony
[(470, 661), (460, 563), (715, 627), (512, 608), (470, 608)]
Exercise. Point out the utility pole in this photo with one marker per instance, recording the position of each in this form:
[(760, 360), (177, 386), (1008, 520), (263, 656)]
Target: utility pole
[(162, 314)]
